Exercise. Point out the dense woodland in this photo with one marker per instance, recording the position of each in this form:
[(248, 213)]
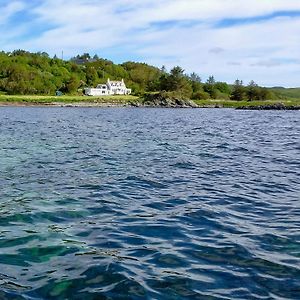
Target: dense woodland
[(26, 73)]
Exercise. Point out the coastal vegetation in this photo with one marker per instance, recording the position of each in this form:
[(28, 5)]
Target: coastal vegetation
[(119, 100), (77, 100), (41, 77)]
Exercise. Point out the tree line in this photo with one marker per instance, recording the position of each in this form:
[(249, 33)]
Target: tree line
[(23, 72)]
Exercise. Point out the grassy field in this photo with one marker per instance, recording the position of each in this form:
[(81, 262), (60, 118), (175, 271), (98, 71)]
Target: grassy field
[(36, 100)]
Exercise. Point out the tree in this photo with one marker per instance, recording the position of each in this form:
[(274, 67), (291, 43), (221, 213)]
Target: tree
[(91, 75), (73, 84), (211, 80), (176, 78), (195, 77), (163, 69), (209, 87), (85, 56), (176, 82), (252, 91), (238, 92), (223, 87), (265, 94), (163, 82)]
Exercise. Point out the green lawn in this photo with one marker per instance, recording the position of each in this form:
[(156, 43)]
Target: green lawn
[(34, 99)]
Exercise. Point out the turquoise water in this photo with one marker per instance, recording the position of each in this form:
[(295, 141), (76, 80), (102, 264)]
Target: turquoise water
[(149, 204)]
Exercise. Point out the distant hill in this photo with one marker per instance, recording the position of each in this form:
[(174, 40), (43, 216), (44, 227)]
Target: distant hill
[(286, 93)]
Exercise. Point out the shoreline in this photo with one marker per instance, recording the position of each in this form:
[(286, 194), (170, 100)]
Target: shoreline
[(134, 101), (130, 105), (61, 104)]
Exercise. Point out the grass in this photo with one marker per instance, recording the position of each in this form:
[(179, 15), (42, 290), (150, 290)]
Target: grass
[(286, 93), (238, 104), (35, 100)]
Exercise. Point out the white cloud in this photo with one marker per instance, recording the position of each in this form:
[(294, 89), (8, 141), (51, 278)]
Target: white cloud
[(265, 50), (9, 9)]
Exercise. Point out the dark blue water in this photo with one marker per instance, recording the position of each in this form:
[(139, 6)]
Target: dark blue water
[(149, 204)]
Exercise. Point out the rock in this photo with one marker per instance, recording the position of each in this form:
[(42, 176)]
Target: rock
[(164, 100), (275, 106)]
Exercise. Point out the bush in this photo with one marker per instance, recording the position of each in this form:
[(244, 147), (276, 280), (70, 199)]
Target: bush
[(200, 95)]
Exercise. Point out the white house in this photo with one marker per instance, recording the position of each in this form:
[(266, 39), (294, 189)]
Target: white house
[(109, 88)]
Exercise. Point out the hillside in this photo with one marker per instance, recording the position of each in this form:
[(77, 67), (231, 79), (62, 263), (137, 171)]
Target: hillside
[(286, 93), (22, 72), (25, 73)]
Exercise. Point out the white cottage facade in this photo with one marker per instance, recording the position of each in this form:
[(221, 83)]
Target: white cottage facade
[(109, 88)]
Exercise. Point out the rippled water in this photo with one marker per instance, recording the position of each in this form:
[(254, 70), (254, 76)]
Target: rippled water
[(149, 204)]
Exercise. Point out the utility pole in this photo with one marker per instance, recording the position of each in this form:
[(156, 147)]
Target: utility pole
[(62, 55)]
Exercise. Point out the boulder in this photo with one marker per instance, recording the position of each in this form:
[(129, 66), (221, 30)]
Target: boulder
[(165, 100)]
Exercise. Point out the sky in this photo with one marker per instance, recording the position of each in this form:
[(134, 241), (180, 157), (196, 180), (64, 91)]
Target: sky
[(231, 39)]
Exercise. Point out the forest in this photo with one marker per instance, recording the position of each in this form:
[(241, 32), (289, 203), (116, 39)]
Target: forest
[(26, 73)]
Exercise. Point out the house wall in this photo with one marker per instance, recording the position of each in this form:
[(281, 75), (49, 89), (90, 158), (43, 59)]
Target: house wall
[(110, 88), (96, 92)]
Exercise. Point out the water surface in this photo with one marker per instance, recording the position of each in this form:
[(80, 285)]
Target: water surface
[(149, 204)]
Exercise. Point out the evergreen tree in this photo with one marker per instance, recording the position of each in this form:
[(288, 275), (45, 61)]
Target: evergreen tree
[(163, 69), (210, 88), (253, 91), (238, 92), (195, 77)]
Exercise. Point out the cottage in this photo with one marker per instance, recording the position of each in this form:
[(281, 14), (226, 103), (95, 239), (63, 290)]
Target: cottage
[(109, 88)]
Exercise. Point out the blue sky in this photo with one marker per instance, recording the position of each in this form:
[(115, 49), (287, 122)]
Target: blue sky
[(246, 39)]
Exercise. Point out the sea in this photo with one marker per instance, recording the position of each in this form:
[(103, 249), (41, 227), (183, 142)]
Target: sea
[(142, 203)]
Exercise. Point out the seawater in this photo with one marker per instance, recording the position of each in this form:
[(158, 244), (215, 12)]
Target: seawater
[(149, 204)]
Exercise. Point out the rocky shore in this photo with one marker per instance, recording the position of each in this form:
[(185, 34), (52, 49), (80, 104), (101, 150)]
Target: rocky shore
[(275, 106), (165, 100)]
